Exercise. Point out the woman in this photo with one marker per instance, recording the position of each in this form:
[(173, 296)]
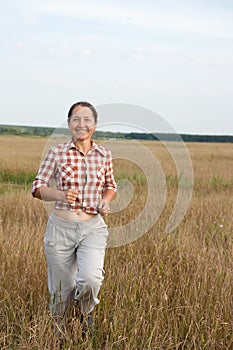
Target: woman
[(76, 234)]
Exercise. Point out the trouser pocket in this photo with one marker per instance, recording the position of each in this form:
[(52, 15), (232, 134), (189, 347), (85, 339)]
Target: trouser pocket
[(50, 234)]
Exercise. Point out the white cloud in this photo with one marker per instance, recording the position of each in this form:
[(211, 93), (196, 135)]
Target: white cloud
[(79, 47), (211, 24)]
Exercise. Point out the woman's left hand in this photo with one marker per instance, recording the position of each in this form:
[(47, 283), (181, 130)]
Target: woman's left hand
[(104, 207)]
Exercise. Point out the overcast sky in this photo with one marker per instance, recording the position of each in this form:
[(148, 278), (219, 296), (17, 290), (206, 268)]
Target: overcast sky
[(172, 57)]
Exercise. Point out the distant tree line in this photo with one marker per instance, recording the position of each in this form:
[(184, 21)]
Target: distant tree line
[(178, 137), (47, 131), (25, 130)]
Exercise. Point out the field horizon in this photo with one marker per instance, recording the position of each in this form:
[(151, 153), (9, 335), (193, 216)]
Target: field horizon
[(46, 131)]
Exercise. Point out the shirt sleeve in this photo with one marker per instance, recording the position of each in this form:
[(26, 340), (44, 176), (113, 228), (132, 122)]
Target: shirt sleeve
[(109, 175), (46, 171)]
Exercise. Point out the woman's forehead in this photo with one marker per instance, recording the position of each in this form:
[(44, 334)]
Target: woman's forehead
[(81, 111)]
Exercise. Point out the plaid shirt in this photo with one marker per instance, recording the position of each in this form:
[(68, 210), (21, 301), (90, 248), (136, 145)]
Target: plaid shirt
[(90, 174)]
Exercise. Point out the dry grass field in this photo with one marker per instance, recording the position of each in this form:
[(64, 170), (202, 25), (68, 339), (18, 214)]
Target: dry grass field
[(161, 292)]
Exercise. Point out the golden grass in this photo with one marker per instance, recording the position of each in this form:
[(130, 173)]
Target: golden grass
[(21, 153), (160, 292)]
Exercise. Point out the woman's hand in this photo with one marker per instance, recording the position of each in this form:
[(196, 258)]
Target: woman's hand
[(104, 207), (70, 196)]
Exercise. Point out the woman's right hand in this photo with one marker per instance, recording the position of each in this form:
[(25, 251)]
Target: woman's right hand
[(71, 195)]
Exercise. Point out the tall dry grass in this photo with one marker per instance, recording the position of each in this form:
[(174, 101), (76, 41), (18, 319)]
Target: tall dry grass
[(160, 292)]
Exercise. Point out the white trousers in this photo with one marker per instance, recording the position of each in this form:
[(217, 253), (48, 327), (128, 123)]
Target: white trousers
[(75, 256)]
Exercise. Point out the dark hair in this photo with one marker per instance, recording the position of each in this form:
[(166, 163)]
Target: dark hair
[(83, 104)]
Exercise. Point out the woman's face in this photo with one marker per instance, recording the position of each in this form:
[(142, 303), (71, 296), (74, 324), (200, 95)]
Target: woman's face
[(82, 123)]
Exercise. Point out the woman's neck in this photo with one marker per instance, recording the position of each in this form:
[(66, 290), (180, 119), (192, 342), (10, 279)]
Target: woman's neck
[(83, 146)]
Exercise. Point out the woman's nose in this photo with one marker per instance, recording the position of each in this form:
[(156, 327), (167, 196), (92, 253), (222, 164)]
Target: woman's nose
[(81, 122)]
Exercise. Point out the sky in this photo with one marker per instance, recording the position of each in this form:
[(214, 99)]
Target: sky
[(174, 58)]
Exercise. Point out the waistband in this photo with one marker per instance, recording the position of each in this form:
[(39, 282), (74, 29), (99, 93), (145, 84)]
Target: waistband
[(93, 221)]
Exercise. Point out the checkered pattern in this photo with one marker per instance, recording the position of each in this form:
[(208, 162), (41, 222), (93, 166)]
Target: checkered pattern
[(91, 174)]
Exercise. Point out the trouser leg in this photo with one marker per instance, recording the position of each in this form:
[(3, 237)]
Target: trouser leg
[(90, 258), (62, 268), (89, 277)]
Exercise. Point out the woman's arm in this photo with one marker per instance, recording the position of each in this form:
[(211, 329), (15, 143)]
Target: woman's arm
[(108, 195), (104, 204), (51, 194)]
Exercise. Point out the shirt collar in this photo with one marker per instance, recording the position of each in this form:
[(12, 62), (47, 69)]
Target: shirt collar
[(70, 144), (99, 148)]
